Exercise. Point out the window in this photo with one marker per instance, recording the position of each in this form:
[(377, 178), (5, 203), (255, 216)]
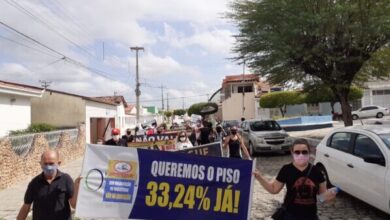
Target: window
[(265, 126), (246, 89), (341, 141), (369, 108), (365, 146), (381, 92)]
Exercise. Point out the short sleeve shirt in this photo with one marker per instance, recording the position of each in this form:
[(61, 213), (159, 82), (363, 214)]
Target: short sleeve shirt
[(50, 201), (301, 197)]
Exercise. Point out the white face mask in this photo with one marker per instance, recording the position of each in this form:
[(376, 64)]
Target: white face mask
[(182, 139), (115, 137)]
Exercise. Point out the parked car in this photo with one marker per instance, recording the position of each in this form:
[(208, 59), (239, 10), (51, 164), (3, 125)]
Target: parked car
[(357, 160), (230, 123), (265, 136), (370, 111)]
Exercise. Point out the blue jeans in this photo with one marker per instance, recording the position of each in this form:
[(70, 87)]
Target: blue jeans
[(290, 216)]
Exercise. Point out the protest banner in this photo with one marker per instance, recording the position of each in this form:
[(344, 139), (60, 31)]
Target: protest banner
[(213, 149), (164, 145), (135, 183), (155, 137)]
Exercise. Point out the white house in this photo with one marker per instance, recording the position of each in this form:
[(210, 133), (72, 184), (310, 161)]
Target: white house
[(15, 106)]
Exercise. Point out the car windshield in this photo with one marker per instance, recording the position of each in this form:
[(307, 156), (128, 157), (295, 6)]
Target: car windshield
[(230, 124), (386, 139), (265, 126)]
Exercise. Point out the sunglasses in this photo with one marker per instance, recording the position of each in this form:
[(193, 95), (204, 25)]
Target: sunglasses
[(304, 152)]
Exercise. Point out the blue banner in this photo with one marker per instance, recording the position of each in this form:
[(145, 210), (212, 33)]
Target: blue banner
[(144, 184)]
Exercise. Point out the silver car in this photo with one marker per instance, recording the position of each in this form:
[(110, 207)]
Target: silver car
[(370, 111), (265, 136)]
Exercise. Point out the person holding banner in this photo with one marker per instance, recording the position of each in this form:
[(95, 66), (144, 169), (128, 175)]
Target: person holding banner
[(304, 182), (182, 141), (116, 140), (235, 144), (128, 137), (52, 192)]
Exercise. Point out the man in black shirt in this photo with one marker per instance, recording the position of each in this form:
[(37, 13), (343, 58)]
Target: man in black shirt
[(116, 140), (128, 137), (52, 192)]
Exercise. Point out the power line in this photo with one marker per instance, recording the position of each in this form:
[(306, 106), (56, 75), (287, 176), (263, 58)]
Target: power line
[(157, 100), (24, 45), (64, 57), (45, 23)]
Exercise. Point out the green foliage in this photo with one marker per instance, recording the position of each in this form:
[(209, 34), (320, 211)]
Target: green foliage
[(179, 112), (281, 100), (320, 93), (33, 128), (328, 40), (378, 66), (168, 114), (195, 108)]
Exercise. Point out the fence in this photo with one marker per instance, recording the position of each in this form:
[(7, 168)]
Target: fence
[(21, 144), (20, 154)]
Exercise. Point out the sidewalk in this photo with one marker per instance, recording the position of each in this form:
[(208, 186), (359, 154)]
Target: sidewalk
[(316, 133), (11, 199)]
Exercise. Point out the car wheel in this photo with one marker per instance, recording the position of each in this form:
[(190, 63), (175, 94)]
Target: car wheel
[(325, 174), (379, 115), (355, 117)]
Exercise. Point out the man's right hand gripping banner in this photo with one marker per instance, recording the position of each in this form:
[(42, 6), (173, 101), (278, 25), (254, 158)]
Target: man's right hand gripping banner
[(131, 183)]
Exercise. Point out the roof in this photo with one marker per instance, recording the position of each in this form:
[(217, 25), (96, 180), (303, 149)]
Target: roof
[(20, 89), (35, 88), (129, 108), (116, 100), (240, 78)]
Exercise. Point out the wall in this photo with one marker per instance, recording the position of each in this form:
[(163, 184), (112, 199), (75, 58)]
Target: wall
[(58, 109), (232, 107), (98, 110), (14, 115), (16, 167)]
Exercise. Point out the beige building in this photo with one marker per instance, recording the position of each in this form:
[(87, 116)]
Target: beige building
[(240, 95), (65, 110)]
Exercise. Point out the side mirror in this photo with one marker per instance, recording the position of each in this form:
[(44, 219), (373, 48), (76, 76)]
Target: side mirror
[(375, 160)]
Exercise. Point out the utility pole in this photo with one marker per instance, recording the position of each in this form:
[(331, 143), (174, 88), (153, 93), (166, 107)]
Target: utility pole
[(183, 102), (243, 90), (167, 102), (162, 96), (45, 84), (137, 90)]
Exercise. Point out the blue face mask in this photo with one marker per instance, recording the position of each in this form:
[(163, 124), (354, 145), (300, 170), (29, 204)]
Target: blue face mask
[(49, 170)]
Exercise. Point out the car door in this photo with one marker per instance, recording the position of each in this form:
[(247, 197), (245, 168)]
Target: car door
[(369, 176), (364, 112), (373, 110), (335, 156)]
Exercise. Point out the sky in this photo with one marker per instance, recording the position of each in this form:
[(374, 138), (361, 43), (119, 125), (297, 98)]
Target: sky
[(187, 47)]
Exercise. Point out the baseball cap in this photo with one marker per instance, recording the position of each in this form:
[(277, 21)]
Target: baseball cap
[(115, 131)]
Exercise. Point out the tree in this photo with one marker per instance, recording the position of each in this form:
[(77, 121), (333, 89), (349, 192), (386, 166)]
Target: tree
[(195, 108), (320, 93), (179, 112), (167, 114), (327, 40), (281, 100)]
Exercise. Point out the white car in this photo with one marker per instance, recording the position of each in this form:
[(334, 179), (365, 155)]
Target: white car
[(357, 160), (370, 111)]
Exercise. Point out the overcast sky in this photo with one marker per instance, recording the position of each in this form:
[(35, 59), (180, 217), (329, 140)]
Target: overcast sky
[(187, 46)]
